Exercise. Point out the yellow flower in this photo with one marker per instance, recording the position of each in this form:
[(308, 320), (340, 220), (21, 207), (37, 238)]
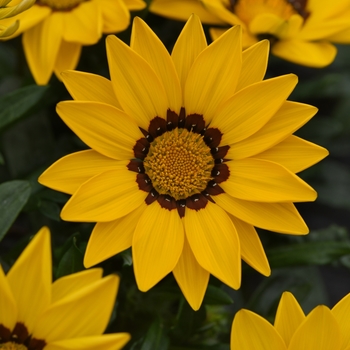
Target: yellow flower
[(69, 314), (10, 11), (188, 152), (54, 31), (321, 329), (301, 31)]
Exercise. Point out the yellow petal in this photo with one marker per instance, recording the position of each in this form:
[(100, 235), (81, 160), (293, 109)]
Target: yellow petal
[(32, 273), (116, 16), (83, 313), (250, 331), (342, 37), (73, 283), (7, 31), (105, 197), (310, 54), (341, 313), (100, 342), (214, 243), (139, 89), (263, 181), (278, 217), (89, 87), (67, 58), (83, 24), (268, 23), (289, 118), (41, 44), (252, 251), (289, 316), (157, 245), (102, 127), (190, 43), (213, 76), (70, 172), (251, 108), (294, 153), (254, 64), (134, 5), (191, 277), (8, 307), (318, 331), (110, 238)]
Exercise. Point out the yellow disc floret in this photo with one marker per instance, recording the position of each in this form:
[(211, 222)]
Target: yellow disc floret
[(12, 346), (179, 163), (62, 5)]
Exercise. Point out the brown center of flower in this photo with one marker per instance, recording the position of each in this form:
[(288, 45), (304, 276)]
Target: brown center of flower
[(12, 346), (179, 164), (60, 5)]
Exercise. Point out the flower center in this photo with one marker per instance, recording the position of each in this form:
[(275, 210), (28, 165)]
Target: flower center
[(179, 163), (12, 346), (61, 5)]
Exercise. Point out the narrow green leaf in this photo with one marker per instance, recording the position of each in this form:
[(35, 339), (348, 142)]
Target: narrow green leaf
[(13, 197), (155, 338), (15, 104)]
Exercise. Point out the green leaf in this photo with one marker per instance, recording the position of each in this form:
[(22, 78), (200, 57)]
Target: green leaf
[(155, 338), (72, 260), (15, 104), (216, 296), (13, 196), (50, 210)]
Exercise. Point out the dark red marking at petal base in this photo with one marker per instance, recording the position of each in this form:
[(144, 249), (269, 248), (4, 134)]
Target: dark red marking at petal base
[(195, 123), (5, 334), (196, 202), (152, 196), (136, 166), (147, 135), (219, 152), (36, 344), (157, 127), (181, 207), (220, 173), (20, 333), (214, 189), (172, 120), (141, 148), (167, 202), (144, 182), (212, 137), (207, 196), (182, 118)]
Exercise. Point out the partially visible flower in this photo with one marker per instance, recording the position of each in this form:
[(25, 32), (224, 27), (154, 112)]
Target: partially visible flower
[(301, 31), (189, 152), (10, 11), (54, 31), (69, 314), (321, 329)]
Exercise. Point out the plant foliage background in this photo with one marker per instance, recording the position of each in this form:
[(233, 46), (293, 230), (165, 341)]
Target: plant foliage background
[(316, 267)]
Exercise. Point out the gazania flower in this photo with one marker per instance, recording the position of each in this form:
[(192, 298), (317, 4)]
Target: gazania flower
[(188, 153), (54, 31), (321, 329), (69, 314), (301, 31), (10, 11)]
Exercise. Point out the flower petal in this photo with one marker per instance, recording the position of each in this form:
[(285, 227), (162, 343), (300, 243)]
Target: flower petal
[(191, 277), (105, 197), (311, 54), (289, 316), (341, 313), (41, 45), (71, 171), (116, 16), (103, 127), (251, 331), (8, 307), (252, 251), (148, 46), (32, 273), (74, 282), (110, 238), (214, 243), (278, 217), (190, 43), (157, 245), (213, 76), (100, 342), (67, 57), (135, 5), (219, 9), (139, 89), (83, 313), (89, 87), (289, 118), (254, 64), (294, 153), (251, 108), (318, 331), (263, 181)]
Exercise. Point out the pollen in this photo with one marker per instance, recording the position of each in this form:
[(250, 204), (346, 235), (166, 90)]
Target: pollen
[(12, 346), (60, 5), (179, 163)]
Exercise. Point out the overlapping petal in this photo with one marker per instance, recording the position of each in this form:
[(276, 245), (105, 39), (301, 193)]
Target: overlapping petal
[(67, 57)]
